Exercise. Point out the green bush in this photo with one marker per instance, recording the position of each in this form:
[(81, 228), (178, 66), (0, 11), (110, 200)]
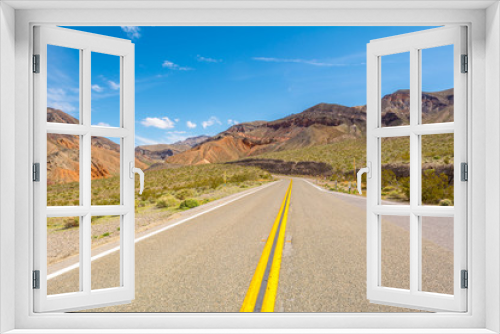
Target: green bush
[(189, 203)]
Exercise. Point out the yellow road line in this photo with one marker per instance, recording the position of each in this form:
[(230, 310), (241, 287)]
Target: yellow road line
[(253, 290), (274, 274)]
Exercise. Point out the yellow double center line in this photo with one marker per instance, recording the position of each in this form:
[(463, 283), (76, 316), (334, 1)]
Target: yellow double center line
[(274, 272)]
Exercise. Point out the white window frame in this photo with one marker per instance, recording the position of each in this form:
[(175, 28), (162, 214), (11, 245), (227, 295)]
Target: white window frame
[(86, 44), (484, 308), (413, 44)]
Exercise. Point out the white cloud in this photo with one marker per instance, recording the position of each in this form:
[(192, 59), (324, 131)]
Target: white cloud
[(102, 124), (171, 66), (56, 94), (113, 85), (190, 124), (97, 88), (160, 123), (176, 120), (144, 141), (299, 61), (131, 31), (207, 59), (58, 98), (232, 122), (175, 136), (64, 106), (211, 121)]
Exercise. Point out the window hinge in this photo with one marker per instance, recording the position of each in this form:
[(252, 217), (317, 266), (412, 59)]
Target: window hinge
[(36, 279), (464, 171), (36, 172), (36, 63), (465, 64), (465, 279)]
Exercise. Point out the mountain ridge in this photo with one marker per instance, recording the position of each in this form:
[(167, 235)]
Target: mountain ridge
[(320, 124)]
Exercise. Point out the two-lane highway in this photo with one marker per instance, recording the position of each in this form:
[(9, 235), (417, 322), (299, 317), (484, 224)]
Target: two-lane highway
[(209, 263)]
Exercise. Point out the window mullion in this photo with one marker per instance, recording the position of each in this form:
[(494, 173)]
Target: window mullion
[(85, 175), (415, 105)]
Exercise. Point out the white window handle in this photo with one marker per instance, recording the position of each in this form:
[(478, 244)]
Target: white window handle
[(139, 171), (368, 171)]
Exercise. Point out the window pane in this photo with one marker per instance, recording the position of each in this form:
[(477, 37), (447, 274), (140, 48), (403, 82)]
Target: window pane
[(395, 178), (395, 88), (438, 170), (63, 170), (105, 90), (437, 254), (63, 85), (105, 234), (63, 249), (105, 171), (437, 84), (395, 251)]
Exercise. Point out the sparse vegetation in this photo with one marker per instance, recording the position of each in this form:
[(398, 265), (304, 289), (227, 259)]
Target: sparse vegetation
[(436, 149), (168, 189)]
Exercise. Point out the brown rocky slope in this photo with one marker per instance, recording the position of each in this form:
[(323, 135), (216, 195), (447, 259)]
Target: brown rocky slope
[(63, 154)]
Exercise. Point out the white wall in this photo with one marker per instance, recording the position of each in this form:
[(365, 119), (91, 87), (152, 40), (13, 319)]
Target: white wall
[(7, 160), (492, 165)]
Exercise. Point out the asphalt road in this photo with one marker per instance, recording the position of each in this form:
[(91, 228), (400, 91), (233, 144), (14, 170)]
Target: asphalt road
[(207, 263)]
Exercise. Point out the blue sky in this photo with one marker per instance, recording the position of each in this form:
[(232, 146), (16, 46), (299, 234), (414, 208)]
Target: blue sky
[(201, 80)]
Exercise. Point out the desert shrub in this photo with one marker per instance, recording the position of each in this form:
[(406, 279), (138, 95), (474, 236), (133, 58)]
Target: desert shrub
[(265, 176), (215, 182), (189, 203), (445, 202), (388, 178), (161, 204), (185, 193), (247, 176), (435, 187), (405, 186), (72, 222), (167, 202)]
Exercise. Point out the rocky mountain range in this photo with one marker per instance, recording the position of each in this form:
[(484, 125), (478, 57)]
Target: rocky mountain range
[(321, 124), (151, 154)]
